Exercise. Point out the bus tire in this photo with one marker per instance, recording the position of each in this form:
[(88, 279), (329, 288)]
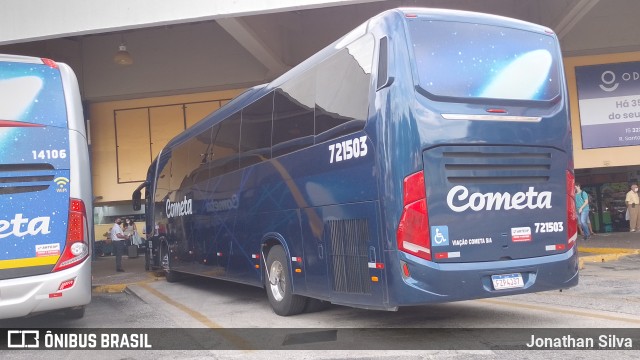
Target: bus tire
[(169, 275), (147, 256), (278, 284), (316, 305), (74, 312)]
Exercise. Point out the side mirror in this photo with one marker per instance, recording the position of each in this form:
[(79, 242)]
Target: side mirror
[(137, 200), (136, 197)]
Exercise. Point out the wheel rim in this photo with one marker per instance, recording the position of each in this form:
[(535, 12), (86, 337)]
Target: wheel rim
[(277, 281)]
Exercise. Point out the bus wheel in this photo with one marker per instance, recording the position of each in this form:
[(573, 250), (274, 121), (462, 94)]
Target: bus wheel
[(278, 284), (147, 256), (170, 275), (315, 305)]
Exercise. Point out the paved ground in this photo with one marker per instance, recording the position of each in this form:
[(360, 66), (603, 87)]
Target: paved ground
[(106, 279), (599, 248)]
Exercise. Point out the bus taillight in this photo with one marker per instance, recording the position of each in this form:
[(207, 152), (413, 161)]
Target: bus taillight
[(76, 248), (572, 216), (50, 63), (413, 229)]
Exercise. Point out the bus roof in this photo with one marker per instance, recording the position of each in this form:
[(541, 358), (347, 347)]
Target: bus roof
[(258, 91)]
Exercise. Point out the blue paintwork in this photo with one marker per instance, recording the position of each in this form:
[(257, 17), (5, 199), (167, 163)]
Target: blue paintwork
[(44, 162), (39, 99), (289, 199)]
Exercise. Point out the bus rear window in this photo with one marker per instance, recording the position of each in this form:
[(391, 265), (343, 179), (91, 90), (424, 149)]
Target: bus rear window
[(32, 93), (465, 60)]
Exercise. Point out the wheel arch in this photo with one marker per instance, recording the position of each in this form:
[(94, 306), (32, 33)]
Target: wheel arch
[(268, 241)]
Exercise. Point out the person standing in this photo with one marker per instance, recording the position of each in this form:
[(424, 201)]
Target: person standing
[(633, 208), (133, 233), (582, 206), (118, 239)]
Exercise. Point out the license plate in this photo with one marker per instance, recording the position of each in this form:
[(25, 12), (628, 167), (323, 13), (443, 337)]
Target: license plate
[(507, 281)]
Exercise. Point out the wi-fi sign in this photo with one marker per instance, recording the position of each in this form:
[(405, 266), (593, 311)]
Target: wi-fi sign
[(61, 181)]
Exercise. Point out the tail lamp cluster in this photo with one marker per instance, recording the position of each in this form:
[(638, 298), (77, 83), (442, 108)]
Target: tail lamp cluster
[(76, 248)]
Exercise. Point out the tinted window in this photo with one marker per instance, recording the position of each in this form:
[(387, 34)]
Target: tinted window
[(466, 60), (199, 148), (180, 167), (255, 139), (293, 124), (342, 90), (226, 139), (163, 183)]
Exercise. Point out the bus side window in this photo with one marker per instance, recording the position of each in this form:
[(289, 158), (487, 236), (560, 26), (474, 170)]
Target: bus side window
[(180, 167), (163, 186), (342, 90), (226, 141), (199, 153), (293, 121), (255, 139)]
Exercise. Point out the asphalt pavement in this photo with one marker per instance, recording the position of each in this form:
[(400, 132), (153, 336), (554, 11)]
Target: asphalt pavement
[(600, 247), (107, 279)]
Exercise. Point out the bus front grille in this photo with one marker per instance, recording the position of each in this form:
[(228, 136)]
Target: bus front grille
[(349, 259)]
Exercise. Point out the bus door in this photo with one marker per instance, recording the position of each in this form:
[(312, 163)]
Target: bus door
[(189, 181)]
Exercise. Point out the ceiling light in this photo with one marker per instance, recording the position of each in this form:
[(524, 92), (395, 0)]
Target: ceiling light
[(122, 57)]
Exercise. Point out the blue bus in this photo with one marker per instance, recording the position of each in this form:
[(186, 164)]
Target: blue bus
[(46, 199), (424, 157)]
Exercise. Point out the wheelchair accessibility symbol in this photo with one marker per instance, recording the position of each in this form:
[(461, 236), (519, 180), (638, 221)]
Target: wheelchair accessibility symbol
[(440, 235)]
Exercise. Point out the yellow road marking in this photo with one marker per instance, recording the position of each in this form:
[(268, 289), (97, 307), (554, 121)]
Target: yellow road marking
[(238, 341), (592, 250), (549, 308), (118, 288)]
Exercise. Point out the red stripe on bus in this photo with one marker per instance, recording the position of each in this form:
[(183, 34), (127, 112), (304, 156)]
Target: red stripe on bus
[(9, 123)]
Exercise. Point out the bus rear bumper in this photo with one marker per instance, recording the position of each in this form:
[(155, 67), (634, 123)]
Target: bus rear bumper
[(431, 282), (23, 296)]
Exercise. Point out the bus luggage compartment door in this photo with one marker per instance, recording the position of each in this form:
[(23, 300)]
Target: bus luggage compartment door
[(346, 258)]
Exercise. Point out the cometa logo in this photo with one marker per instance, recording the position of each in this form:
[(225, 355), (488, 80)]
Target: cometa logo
[(460, 200), (222, 205), (180, 208), (20, 226)]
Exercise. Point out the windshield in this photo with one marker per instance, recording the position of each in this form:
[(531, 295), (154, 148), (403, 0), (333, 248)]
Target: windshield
[(465, 60)]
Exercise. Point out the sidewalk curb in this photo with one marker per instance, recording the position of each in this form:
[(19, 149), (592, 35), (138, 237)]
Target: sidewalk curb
[(603, 255)]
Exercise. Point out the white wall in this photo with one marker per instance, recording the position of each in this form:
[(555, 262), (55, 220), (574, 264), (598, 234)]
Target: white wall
[(29, 20)]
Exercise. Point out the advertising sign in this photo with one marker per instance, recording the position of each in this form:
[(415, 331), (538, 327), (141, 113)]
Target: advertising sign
[(609, 100)]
